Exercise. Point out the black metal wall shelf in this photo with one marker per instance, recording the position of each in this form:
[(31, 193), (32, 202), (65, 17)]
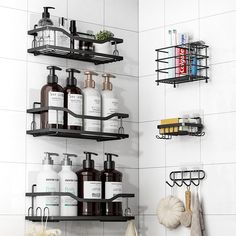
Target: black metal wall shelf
[(37, 218), (169, 129), (80, 134), (74, 54), (172, 60)]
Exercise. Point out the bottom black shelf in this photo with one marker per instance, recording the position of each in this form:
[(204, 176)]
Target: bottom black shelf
[(182, 79), (81, 218)]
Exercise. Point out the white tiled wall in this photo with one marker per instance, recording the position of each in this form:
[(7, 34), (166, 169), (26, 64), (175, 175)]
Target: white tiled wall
[(22, 77), (214, 23)]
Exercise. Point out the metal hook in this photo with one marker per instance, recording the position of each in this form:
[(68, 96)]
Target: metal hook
[(40, 209), (190, 180), (173, 181), (182, 180), (198, 179)]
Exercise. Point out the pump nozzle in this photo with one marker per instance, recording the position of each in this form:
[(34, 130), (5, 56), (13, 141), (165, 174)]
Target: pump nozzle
[(48, 158), (71, 80), (89, 82), (109, 163), (107, 85), (88, 162), (52, 77), (67, 161), (46, 13)]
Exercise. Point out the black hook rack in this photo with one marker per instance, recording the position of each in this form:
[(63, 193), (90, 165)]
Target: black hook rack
[(186, 177)]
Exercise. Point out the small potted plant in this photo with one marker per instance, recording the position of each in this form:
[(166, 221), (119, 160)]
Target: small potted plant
[(106, 47)]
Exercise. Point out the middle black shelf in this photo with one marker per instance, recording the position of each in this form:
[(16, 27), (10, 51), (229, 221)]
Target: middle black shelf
[(80, 134)]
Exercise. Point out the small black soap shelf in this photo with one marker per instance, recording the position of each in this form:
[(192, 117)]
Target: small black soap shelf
[(69, 53), (182, 63), (181, 128), (79, 134), (36, 215)]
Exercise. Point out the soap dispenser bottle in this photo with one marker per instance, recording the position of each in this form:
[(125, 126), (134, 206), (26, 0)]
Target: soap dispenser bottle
[(73, 100), (110, 105), (46, 37), (48, 181), (74, 44), (62, 39), (92, 103), (52, 95), (68, 183), (111, 186), (89, 187)]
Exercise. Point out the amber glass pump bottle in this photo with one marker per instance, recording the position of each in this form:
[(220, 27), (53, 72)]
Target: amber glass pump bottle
[(89, 187), (111, 186), (73, 100), (52, 95)]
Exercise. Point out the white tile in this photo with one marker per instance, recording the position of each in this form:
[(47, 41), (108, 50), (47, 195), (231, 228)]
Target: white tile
[(149, 225), (151, 150), (151, 15), (213, 148), (176, 11), (36, 146), (150, 93), (129, 10), (14, 78), (222, 82), (220, 224), (117, 228), (17, 4), (148, 42), (12, 180), (13, 136), (127, 149), (14, 44), (209, 32), (128, 50), (180, 231), (6, 223), (88, 11), (211, 7), (217, 190), (152, 189), (84, 228), (131, 185), (175, 154), (183, 100), (60, 7)]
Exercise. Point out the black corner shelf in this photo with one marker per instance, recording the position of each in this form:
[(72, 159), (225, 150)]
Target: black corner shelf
[(169, 61), (81, 218), (169, 130), (79, 134), (35, 218), (74, 54)]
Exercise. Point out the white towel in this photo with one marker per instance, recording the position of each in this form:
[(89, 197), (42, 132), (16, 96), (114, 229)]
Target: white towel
[(197, 226), (131, 229)]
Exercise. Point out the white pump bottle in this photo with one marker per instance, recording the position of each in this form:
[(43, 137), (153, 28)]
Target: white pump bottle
[(110, 105), (48, 181), (68, 183), (92, 103)]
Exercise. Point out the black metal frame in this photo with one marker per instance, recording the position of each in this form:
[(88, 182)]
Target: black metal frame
[(202, 63), (186, 178), (32, 217), (56, 132), (74, 54), (169, 134)]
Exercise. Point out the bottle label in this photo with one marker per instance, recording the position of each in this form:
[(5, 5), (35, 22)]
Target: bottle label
[(92, 189), (75, 105), (112, 189), (110, 106), (70, 186), (92, 107), (55, 99)]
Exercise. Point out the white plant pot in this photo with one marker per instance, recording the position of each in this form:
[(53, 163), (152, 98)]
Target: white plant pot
[(105, 48)]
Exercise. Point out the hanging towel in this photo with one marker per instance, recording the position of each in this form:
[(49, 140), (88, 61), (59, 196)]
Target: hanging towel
[(131, 229), (197, 226)]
